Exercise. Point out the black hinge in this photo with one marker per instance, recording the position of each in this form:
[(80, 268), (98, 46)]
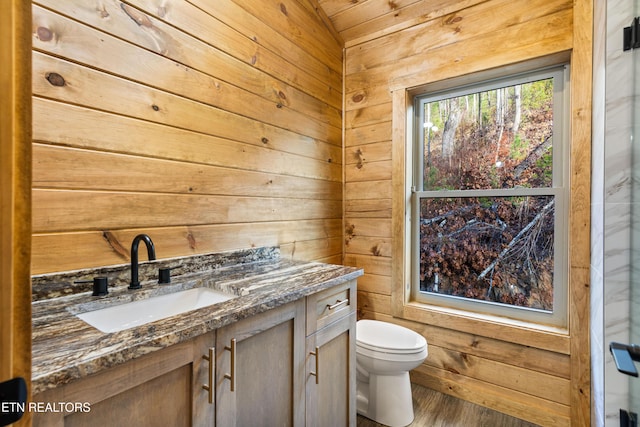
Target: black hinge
[(628, 419), (631, 35), (624, 355), (13, 398)]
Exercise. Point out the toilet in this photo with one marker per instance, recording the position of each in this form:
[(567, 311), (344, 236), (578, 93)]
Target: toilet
[(385, 353)]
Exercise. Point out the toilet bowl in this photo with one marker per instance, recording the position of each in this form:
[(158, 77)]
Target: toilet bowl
[(385, 353)]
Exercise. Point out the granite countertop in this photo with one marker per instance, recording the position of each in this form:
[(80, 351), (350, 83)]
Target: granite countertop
[(66, 348)]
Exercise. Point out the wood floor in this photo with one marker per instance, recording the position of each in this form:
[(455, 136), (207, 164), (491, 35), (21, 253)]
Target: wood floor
[(433, 409)]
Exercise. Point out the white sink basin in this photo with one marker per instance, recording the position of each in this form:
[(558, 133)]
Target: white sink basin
[(136, 313)]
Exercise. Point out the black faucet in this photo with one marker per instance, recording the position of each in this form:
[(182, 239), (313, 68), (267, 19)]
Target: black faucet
[(151, 252)]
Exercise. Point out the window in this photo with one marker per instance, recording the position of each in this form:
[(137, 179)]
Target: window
[(489, 197)]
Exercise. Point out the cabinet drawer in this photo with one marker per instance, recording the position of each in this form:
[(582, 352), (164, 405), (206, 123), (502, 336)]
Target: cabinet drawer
[(330, 305)]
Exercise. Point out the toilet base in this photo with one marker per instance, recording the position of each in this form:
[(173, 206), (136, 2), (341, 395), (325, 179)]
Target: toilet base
[(386, 399)]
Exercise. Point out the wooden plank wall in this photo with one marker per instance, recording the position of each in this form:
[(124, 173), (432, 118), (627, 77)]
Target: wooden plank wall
[(540, 377), (209, 125)]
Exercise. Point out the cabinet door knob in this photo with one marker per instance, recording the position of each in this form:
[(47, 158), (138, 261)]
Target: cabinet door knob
[(232, 375), (317, 355), (211, 358)]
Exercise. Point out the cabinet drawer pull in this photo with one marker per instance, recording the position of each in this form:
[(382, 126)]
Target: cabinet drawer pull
[(317, 355), (211, 359), (337, 304), (232, 376)]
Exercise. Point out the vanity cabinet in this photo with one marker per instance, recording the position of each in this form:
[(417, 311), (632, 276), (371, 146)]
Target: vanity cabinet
[(292, 365), (160, 388), (331, 352), (260, 369)]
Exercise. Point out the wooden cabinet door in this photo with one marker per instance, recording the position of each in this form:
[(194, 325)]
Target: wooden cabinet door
[(330, 379), (260, 369), (160, 388)]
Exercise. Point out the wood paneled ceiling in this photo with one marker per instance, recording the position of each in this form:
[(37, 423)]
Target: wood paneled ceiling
[(357, 21)]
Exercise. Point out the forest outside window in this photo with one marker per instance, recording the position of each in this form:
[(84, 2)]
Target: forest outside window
[(489, 198)]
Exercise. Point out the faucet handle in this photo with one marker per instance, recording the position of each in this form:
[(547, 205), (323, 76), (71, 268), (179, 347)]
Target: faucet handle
[(164, 275), (100, 285)]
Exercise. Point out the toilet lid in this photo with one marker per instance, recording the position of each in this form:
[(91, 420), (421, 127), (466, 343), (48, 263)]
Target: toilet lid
[(388, 337)]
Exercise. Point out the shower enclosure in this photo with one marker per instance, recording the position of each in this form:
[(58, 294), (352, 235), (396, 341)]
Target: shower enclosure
[(634, 309), (629, 414), (617, 213)]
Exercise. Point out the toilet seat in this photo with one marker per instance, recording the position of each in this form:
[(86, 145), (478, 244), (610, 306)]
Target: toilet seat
[(388, 338), (392, 356)]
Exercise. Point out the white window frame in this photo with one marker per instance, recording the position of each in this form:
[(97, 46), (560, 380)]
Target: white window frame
[(558, 317)]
